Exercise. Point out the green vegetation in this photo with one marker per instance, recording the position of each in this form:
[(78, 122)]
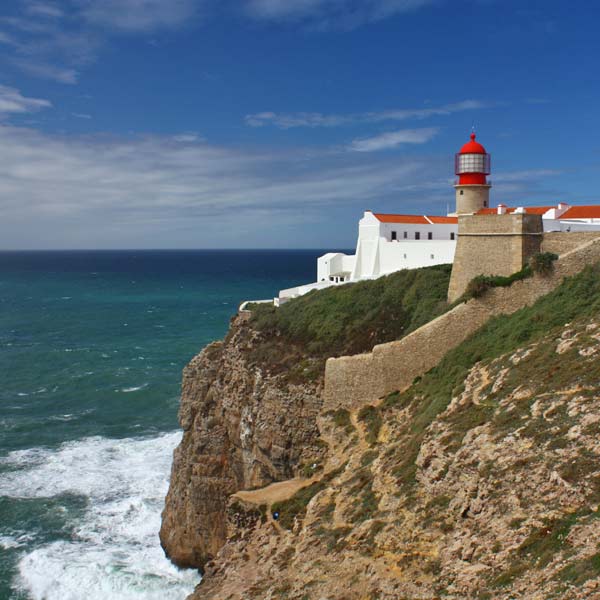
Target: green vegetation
[(333, 538), (543, 544), (296, 505), (368, 457), (580, 571), (543, 263), (577, 297), (353, 318), (371, 417), (366, 504), (540, 264), (341, 418)]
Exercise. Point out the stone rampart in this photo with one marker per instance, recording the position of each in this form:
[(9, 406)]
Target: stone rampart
[(492, 245), (353, 381), (560, 242)]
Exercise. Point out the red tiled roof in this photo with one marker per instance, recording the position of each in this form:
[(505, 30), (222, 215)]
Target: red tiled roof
[(582, 212), (530, 210), (417, 219), (442, 220)]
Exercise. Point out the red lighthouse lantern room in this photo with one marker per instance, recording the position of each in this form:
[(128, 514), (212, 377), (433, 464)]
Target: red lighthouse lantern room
[(472, 164)]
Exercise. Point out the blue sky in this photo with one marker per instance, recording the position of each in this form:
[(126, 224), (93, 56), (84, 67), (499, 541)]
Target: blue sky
[(275, 123)]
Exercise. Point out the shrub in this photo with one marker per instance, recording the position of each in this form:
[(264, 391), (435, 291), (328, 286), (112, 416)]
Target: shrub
[(543, 263), (371, 417), (482, 283)]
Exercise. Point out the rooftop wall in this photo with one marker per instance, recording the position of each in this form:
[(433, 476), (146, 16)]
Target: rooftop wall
[(353, 381)]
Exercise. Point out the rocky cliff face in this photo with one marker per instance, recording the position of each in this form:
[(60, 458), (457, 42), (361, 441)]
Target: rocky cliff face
[(481, 480), (246, 423), (496, 496)]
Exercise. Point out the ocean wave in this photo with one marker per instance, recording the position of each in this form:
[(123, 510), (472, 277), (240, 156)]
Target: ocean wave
[(134, 389), (114, 551)]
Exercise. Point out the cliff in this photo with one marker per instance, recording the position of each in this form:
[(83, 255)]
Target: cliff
[(250, 403), (246, 423), (480, 480)]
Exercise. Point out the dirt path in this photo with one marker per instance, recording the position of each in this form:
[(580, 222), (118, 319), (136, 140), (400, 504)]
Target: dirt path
[(276, 492)]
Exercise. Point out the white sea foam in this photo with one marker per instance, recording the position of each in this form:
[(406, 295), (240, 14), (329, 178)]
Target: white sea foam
[(114, 552), (134, 389)]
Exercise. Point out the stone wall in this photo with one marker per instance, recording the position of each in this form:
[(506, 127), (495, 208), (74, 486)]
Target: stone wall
[(560, 242), (353, 381), (492, 245)]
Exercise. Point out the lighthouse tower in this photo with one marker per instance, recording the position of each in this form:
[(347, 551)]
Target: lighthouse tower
[(472, 166)]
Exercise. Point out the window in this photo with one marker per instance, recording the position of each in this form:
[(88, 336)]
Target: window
[(462, 192), (452, 235), (432, 256), (394, 236), (341, 280), (429, 235), (331, 278), (406, 235), (417, 235), (485, 203), (405, 256)]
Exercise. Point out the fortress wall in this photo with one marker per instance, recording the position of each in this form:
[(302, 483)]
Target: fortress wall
[(353, 381), (492, 245), (560, 242)]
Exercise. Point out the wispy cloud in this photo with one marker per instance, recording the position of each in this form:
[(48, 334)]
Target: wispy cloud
[(56, 40), (182, 191), (148, 191), (138, 15), (306, 119), (331, 14), (12, 101), (393, 139), (47, 71)]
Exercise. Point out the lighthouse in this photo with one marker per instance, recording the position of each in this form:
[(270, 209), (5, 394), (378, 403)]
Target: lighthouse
[(472, 166)]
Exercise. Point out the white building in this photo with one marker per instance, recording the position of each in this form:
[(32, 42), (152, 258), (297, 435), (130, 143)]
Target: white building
[(386, 243), (389, 243)]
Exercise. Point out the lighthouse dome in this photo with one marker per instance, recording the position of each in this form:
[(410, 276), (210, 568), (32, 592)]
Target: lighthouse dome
[(472, 147)]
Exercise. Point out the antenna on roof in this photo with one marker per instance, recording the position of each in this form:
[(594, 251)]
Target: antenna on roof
[(473, 126)]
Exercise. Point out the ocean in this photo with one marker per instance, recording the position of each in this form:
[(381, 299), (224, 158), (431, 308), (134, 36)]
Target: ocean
[(92, 345)]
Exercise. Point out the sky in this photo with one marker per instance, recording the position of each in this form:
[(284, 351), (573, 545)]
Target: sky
[(276, 123)]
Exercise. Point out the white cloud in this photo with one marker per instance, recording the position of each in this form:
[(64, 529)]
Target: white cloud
[(138, 15), (12, 101), (81, 115), (393, 139), (89, 191), (47, 71), (187, 138), (301, 119), (331, 14), (305, 119), (44, 9)]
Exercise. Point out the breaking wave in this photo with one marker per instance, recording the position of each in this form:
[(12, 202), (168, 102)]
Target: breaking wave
[(114, 551)]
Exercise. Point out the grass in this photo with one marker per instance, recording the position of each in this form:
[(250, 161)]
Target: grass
[(295, 507), (353, 318), (540, 264), (371, 417), (341, 419), (580, 571)]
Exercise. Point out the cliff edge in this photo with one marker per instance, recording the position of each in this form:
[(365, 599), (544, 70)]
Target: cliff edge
[(479, 480)]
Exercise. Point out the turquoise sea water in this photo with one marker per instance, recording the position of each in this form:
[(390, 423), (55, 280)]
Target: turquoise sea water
[(92, 345)]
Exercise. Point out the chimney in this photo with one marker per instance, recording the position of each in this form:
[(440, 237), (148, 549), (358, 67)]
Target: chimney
[(501, 209)]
